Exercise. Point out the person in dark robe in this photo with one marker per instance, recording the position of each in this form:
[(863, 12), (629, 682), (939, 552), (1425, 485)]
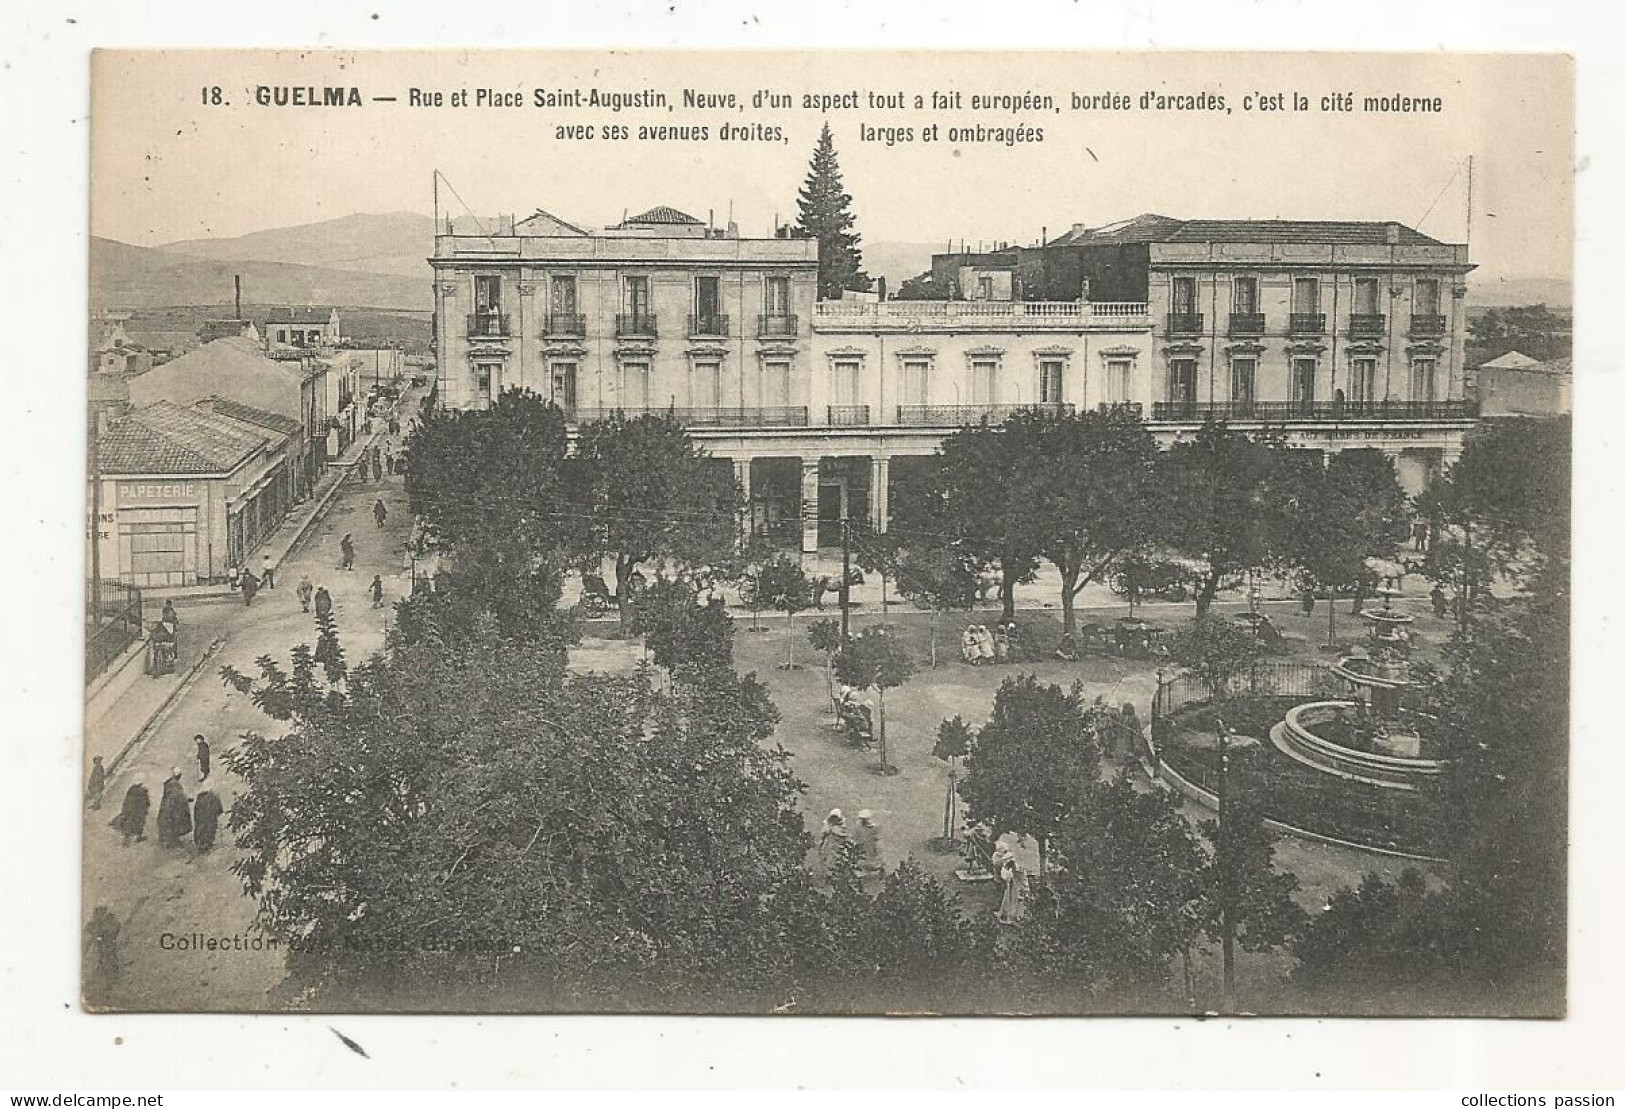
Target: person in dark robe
[(97, 784), (251, 586), (174, 812), (131, 820), (377, 591), (347, 551), (206, 812), (324, 603), (379, 512), (169, 616), (202, 757), (303, 592), (101, 953)]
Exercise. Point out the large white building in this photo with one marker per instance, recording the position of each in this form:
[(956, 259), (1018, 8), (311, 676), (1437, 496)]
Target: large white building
[(1331, 335)]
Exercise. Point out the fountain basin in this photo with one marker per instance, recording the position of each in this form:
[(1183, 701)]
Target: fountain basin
[(1296, 737)]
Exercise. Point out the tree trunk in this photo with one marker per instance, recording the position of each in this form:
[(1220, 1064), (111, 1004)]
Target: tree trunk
[(881, 694), (1007, 593), (623, 574), (1331, 621), (1069, 596), (1043, 857), (933, 626), (1205, 595), (790, 644), (948, 807)]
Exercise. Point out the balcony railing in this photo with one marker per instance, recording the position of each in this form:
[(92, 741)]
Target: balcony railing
[(848, 415), (961, 415), (636, 324), (1128, 407), (1185, 323), (565, 323), (780, 416), (709, 323), (488, 325), (1307, 323), (777, 326), (1287, 411), (979, 315), (1427, 325), (1367, 325), (1246, 323)]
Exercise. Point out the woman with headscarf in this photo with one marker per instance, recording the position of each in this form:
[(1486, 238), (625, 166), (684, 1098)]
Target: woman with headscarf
[(832, 841), (969, 649), (1008, 872), (984, 643)]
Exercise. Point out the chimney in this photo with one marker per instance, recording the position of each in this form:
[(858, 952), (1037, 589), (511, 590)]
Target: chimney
[(1043, 236), (733, 230), (1392, 234), (880, 288), (1077, 228)]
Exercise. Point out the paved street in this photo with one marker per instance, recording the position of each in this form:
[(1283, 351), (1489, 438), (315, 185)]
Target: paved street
[(166, 897)]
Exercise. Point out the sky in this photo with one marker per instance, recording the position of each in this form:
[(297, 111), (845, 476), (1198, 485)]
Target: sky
[(166, 165)]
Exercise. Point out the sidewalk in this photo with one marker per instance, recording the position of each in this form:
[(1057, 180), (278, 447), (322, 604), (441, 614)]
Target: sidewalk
[(293, 530)]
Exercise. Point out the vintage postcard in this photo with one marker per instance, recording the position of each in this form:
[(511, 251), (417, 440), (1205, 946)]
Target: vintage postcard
[(828, 533)]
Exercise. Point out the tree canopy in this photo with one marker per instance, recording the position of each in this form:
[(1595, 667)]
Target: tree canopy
[(1031, 761), (1225, 502)]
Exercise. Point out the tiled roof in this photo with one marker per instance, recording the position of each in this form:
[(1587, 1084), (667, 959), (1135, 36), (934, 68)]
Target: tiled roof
[(1152, 228), (237, 353), (248, 414), (165, 438), (663, 214), (1344, 232), (317, 317)]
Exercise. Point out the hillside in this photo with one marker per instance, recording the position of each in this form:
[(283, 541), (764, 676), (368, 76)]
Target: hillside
[(394, 243), (1553, 291), (125, 276)]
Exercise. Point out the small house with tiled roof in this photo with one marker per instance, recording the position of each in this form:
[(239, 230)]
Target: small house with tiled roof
[(187, 491), (237, 369)]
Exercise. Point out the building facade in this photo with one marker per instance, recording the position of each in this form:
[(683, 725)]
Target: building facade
[(188, 492), (291, 387), (1330, 335)]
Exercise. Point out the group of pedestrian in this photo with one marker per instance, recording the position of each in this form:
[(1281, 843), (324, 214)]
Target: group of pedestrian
[(840, 845), (1003, 644), (179, 816)]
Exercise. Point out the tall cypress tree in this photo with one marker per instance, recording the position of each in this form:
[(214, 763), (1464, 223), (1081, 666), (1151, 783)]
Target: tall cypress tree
[(826, 215)]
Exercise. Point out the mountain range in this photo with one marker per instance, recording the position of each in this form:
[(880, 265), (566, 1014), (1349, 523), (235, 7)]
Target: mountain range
[(378, 261)]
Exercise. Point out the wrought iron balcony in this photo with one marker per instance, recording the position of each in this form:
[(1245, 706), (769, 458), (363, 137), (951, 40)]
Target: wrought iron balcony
[(1427, 325), (1365, 325), (1307, 323), (963, 415), (636, 325), (780, 416), (848, 415), (777, 326), (1185, 323), (1288, 411), (488, 325), (565, 323), (708, 323), (1246, 323)]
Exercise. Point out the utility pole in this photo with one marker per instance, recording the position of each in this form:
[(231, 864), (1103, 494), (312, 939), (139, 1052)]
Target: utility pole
[(846, 578), (1227, 892)]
